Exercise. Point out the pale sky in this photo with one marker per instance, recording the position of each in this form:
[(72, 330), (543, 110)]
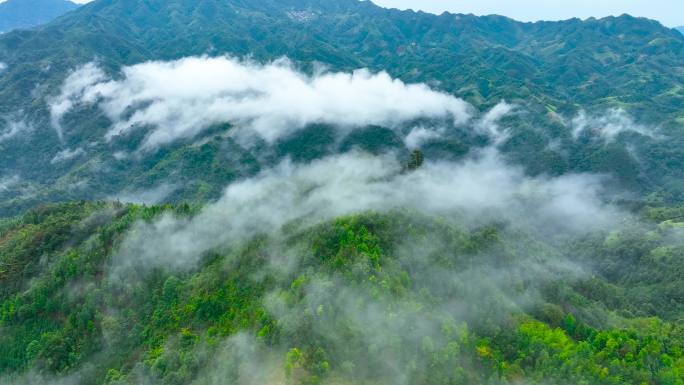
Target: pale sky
[(668, 12)]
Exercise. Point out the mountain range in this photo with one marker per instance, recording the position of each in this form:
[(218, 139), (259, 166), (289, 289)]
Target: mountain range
[(553, 69), (327, 192), (30, 13)]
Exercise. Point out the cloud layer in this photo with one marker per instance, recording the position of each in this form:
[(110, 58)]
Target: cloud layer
[(369, 333), (475, 190), (67, 155), (182, 98), (608, 126)]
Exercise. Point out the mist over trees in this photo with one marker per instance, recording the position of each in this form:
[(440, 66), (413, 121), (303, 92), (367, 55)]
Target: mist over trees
[(328, 192)]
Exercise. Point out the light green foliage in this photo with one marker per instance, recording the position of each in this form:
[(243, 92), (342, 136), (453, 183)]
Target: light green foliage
[(356, 305)]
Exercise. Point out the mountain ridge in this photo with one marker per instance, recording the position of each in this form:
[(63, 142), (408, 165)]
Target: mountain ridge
[(558, 67), (293, 192), (198, 12)]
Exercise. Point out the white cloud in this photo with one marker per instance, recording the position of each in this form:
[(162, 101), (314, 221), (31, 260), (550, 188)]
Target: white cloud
[(182, 98), (7, 183), (72, 93), (14, 129), (419, 135), (67, 155), (489, 123), (149, 196), (608, 126), (3, 66), (474, 190)]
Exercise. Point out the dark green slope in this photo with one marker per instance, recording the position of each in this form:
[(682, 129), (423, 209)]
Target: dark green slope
[(623, 62), (23, 14)]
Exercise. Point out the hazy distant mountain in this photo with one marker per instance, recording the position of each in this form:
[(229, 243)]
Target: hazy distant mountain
[(29, 13), (680, 29)]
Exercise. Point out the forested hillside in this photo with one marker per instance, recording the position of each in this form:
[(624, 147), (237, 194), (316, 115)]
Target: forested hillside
[(620, 76), (340, 302), (329, 192)]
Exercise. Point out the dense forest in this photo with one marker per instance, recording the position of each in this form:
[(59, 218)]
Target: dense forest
[(612, 72), (301, 192), (374, 298)]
